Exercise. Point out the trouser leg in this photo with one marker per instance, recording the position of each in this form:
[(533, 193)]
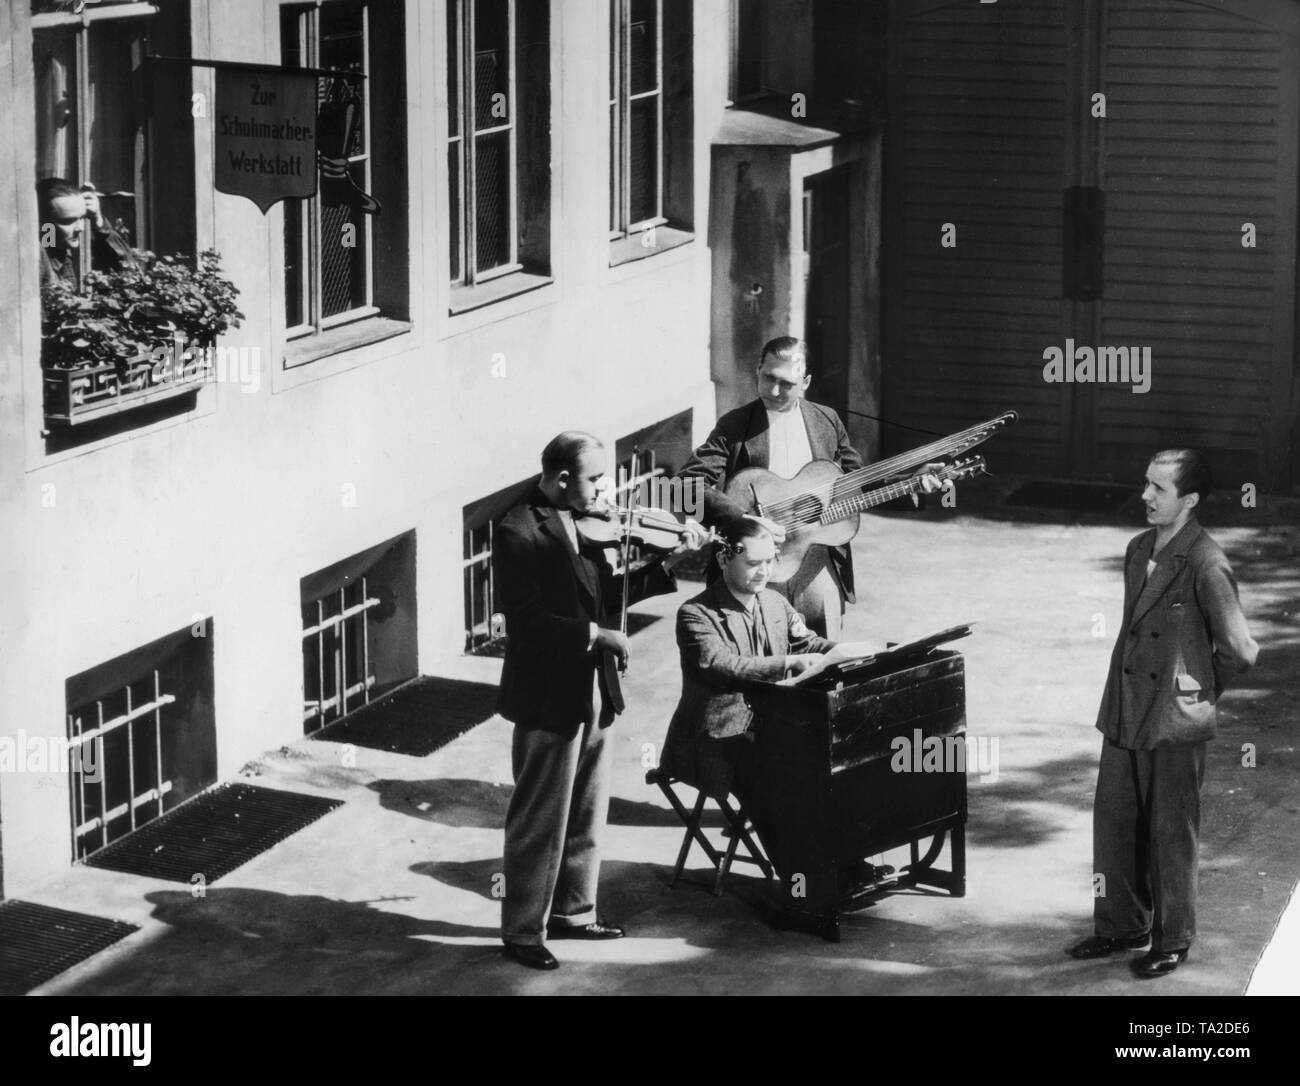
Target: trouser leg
[(575, 892), (545, 767), (1176, 776), (1122, 904), (814, 591)]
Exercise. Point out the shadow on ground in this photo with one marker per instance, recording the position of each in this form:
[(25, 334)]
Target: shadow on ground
[(461, 802)]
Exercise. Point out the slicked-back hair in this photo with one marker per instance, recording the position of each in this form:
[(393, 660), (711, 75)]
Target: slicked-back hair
[(735, 531), (564, 450), (1191, 470), (49, 189), (786, 348)]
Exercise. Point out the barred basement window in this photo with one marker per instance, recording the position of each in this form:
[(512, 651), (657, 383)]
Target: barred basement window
[(634, 482), (358, 631), (141, 737), (336, 654), (485, 626)]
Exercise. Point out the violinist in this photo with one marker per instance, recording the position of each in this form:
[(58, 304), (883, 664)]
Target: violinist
[(557, 590)]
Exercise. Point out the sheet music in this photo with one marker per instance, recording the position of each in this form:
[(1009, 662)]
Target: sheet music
[(851, 655)]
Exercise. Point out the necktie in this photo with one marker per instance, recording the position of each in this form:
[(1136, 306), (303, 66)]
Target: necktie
[(758, 630)]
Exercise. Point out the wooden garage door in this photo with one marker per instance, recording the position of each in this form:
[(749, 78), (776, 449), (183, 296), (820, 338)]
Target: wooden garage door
[(1200, 139), (990, 123), (977, 96)]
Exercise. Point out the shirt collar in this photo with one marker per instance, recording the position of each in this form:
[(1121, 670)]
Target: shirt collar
[(729, 599)]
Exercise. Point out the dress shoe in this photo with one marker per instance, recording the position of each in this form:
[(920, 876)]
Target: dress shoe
[(535, 957), (1101, 946), (1159, 963), (601, 929)]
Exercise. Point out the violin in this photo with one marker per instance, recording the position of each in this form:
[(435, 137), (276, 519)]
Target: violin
[(609, 525)]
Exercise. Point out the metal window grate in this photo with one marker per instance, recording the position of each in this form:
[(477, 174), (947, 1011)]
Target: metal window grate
[(418, 718), (38, 942), (338, 675), (213, 833)]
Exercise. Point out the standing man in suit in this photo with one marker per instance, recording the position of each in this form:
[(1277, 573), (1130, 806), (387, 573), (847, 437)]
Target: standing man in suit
[(555, 589), (1183, 639), (783, 432)]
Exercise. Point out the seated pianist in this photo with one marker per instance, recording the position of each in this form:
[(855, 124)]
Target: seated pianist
[(734, 632)]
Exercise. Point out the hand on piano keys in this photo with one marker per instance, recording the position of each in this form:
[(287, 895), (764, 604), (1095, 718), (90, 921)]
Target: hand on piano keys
[(798, 663)]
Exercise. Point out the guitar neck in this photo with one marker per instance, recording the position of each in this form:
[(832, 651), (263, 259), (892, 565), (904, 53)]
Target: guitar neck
[(844, 508)]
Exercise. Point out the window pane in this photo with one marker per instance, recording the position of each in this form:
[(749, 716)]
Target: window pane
[(116, 135), (56, 106), (644, 34), (615, 44), (296, 270), (453, 67), (643, 165), (492, 200), (295, 262), (343, 46), (343, 267), (749, 47), (491, 63), (615, 171)]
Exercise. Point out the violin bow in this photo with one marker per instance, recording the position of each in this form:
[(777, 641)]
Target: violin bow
[(626, 549)]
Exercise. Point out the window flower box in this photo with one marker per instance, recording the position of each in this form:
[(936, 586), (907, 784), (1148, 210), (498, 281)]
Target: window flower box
[(92, 390), (133, 336)]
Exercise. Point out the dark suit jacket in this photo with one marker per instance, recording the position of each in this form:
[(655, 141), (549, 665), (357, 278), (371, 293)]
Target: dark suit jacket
[(550, 594), (717, 662), (109, 251), (1183, 639), (740, 440)]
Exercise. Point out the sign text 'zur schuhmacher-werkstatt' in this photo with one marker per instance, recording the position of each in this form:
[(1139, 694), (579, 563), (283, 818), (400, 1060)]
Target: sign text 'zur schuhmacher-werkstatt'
[(265, 134)]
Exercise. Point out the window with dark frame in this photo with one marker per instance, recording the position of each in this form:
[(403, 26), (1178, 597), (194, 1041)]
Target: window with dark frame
[(91, 113), (650, 126), (498, 132), (343, 264)]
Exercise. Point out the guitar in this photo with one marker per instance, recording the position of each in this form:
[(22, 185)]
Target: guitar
[(817, 507)]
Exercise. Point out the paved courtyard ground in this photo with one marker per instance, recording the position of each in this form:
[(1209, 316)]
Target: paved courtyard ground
[(392, 893)]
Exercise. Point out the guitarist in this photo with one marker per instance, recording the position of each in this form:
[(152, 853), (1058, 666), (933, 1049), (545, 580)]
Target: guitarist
[(784, 432)]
